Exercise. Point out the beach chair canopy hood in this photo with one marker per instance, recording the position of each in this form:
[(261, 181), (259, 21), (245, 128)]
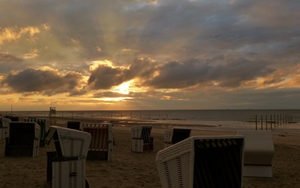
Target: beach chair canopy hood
[(69, 142)]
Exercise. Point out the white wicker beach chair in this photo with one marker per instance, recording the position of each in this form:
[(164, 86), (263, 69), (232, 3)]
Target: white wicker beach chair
[(67, 164), (175, 135), (202, 162), (259, 152), (4, 130), (141, 138), (23, 139), (102, 140)]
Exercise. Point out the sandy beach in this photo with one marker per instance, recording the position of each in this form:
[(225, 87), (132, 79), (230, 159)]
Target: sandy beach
[(129, 170)]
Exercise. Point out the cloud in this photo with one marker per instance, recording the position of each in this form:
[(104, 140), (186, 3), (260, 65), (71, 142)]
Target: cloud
[(45, 82), (6, 58), (12, 34), (105, 77), (10, 62), (171, 47), (231, 73)]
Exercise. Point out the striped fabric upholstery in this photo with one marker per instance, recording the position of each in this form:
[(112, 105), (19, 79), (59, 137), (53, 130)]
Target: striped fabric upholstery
[(99, 134), (102, 139)]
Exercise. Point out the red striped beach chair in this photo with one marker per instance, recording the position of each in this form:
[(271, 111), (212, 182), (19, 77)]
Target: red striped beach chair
[(102, 140), (23, 139), (202, 162), (141, 138), (175, 135)]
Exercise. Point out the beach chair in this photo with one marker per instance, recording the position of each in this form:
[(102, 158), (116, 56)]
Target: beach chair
[(102, 140), (202, 162), (175, 135), (44, 124), (73, 125), (141, 138), (23, 139), (259, 152), (66, 166), (4, 130)]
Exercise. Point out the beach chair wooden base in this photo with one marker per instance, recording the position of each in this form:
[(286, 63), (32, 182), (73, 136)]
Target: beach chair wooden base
[(257, 171), (97, 155)]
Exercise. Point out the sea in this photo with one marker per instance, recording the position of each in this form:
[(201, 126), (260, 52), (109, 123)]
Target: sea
[(222, 118)]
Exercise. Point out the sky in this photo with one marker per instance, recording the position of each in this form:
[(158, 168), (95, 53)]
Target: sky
[(149, 54)]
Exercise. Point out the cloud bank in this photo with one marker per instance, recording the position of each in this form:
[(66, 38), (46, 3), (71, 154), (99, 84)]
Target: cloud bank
[(172, 52)]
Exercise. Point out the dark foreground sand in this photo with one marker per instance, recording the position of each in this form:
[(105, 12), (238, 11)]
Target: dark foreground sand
[(130, 170)]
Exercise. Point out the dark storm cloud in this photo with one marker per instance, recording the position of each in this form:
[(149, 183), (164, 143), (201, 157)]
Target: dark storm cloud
[(142, 68), (45, 82), (104, 77), (228, 74)]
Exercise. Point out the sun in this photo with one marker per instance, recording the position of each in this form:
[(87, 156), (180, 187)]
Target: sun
[(123, 88)]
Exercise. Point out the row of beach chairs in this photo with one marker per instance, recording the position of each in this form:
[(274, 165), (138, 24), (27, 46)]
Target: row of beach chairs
[(208, 161), (23, 138), (186, 161), (66, 165)]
